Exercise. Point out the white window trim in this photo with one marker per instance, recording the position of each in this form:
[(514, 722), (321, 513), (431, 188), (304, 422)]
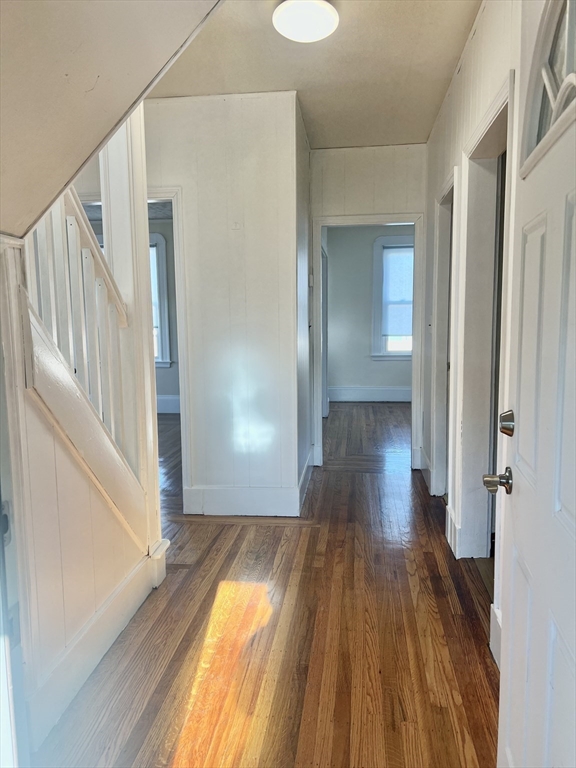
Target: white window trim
[(402, 241), (163, 361)]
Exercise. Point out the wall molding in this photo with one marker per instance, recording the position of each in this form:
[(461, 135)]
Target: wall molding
[(242, 501), (168, 403), (370, 394)]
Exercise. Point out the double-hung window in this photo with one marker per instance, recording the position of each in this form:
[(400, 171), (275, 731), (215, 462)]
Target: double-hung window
[(393, 300), (160, 326)]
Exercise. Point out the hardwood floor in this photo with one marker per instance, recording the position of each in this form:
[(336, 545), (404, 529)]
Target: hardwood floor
[(351, 637)]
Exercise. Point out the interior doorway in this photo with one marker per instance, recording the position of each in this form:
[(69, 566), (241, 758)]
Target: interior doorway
[(367, 315)]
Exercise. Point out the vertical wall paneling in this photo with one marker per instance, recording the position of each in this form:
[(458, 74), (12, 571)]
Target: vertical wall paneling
[(76, 542), (89, 520), (479, 82), (234, 159), (369, 180)]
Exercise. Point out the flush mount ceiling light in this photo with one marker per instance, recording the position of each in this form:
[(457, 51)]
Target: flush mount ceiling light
[(305, 21)]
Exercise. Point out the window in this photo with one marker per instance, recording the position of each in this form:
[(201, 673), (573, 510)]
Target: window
[(555, 78), (159, 283), (393, 299)]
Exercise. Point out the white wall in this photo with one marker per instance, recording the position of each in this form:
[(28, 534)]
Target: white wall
[(480, 78), (478, 89), (368, 180), (353, 373), (234, 158)]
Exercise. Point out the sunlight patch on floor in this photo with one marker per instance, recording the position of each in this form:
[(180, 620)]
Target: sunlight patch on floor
[(240, 611)]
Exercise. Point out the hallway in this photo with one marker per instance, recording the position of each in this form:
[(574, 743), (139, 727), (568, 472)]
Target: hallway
[(350, 637)]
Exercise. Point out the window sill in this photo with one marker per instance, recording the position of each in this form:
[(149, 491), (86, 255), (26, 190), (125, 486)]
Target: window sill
[(391, 357), (163, 363)]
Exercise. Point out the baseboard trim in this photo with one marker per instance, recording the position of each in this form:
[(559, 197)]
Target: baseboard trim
[(452, 531), (306, 475), (47, 704), (317, 454), (252, 502), (370, 394), (496, 633), (168, 403), (416, 458)]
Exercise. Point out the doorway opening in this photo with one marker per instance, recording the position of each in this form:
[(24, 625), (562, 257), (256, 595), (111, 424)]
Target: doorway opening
[(166, 359), (367, 316)]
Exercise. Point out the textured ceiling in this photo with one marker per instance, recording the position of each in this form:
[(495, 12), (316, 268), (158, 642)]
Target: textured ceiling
[(379, 79)]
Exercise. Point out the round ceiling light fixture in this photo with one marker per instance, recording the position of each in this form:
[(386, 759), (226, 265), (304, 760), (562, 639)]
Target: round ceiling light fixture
[(305, 21)]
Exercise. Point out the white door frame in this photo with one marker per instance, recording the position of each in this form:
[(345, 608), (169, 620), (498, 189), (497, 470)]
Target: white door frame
[(443, 249), (468, 514), (174, 194), (377, 219)]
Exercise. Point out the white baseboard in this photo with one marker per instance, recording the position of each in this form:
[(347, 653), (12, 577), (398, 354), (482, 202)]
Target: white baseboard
[(495, 633), (55, 693), (452, 531), (370, 394), (437, 485), (168, 403), (317, 454), (306, 475), (260, 502), (416, 458)]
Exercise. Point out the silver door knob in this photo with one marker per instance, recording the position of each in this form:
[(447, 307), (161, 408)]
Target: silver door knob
[(493, 482)]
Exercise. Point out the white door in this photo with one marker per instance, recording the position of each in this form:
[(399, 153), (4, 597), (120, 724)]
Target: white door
[(538, 684)]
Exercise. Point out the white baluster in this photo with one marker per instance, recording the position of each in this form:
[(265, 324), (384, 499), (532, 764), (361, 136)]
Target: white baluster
[(62, 283), (45, 272), (31, 277), (116, 376), (77, 301), (92, 348), (104, 343)]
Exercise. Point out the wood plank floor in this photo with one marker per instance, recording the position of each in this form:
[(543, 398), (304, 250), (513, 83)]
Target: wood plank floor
[(351, 637)]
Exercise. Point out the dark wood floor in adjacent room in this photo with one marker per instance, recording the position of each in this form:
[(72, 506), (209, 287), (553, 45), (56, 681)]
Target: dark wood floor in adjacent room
[(351, 637)]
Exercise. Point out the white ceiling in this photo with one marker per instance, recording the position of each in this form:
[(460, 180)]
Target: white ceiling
[(379, 79), (70, 71)]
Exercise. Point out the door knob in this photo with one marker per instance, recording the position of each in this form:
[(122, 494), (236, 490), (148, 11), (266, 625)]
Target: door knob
[(493, 482)]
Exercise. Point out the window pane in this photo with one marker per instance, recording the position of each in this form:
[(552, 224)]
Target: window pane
[(545, 115), (397, 320), (557, 58), (398, 344), (398, 274), (155, 299), (397, 290)]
